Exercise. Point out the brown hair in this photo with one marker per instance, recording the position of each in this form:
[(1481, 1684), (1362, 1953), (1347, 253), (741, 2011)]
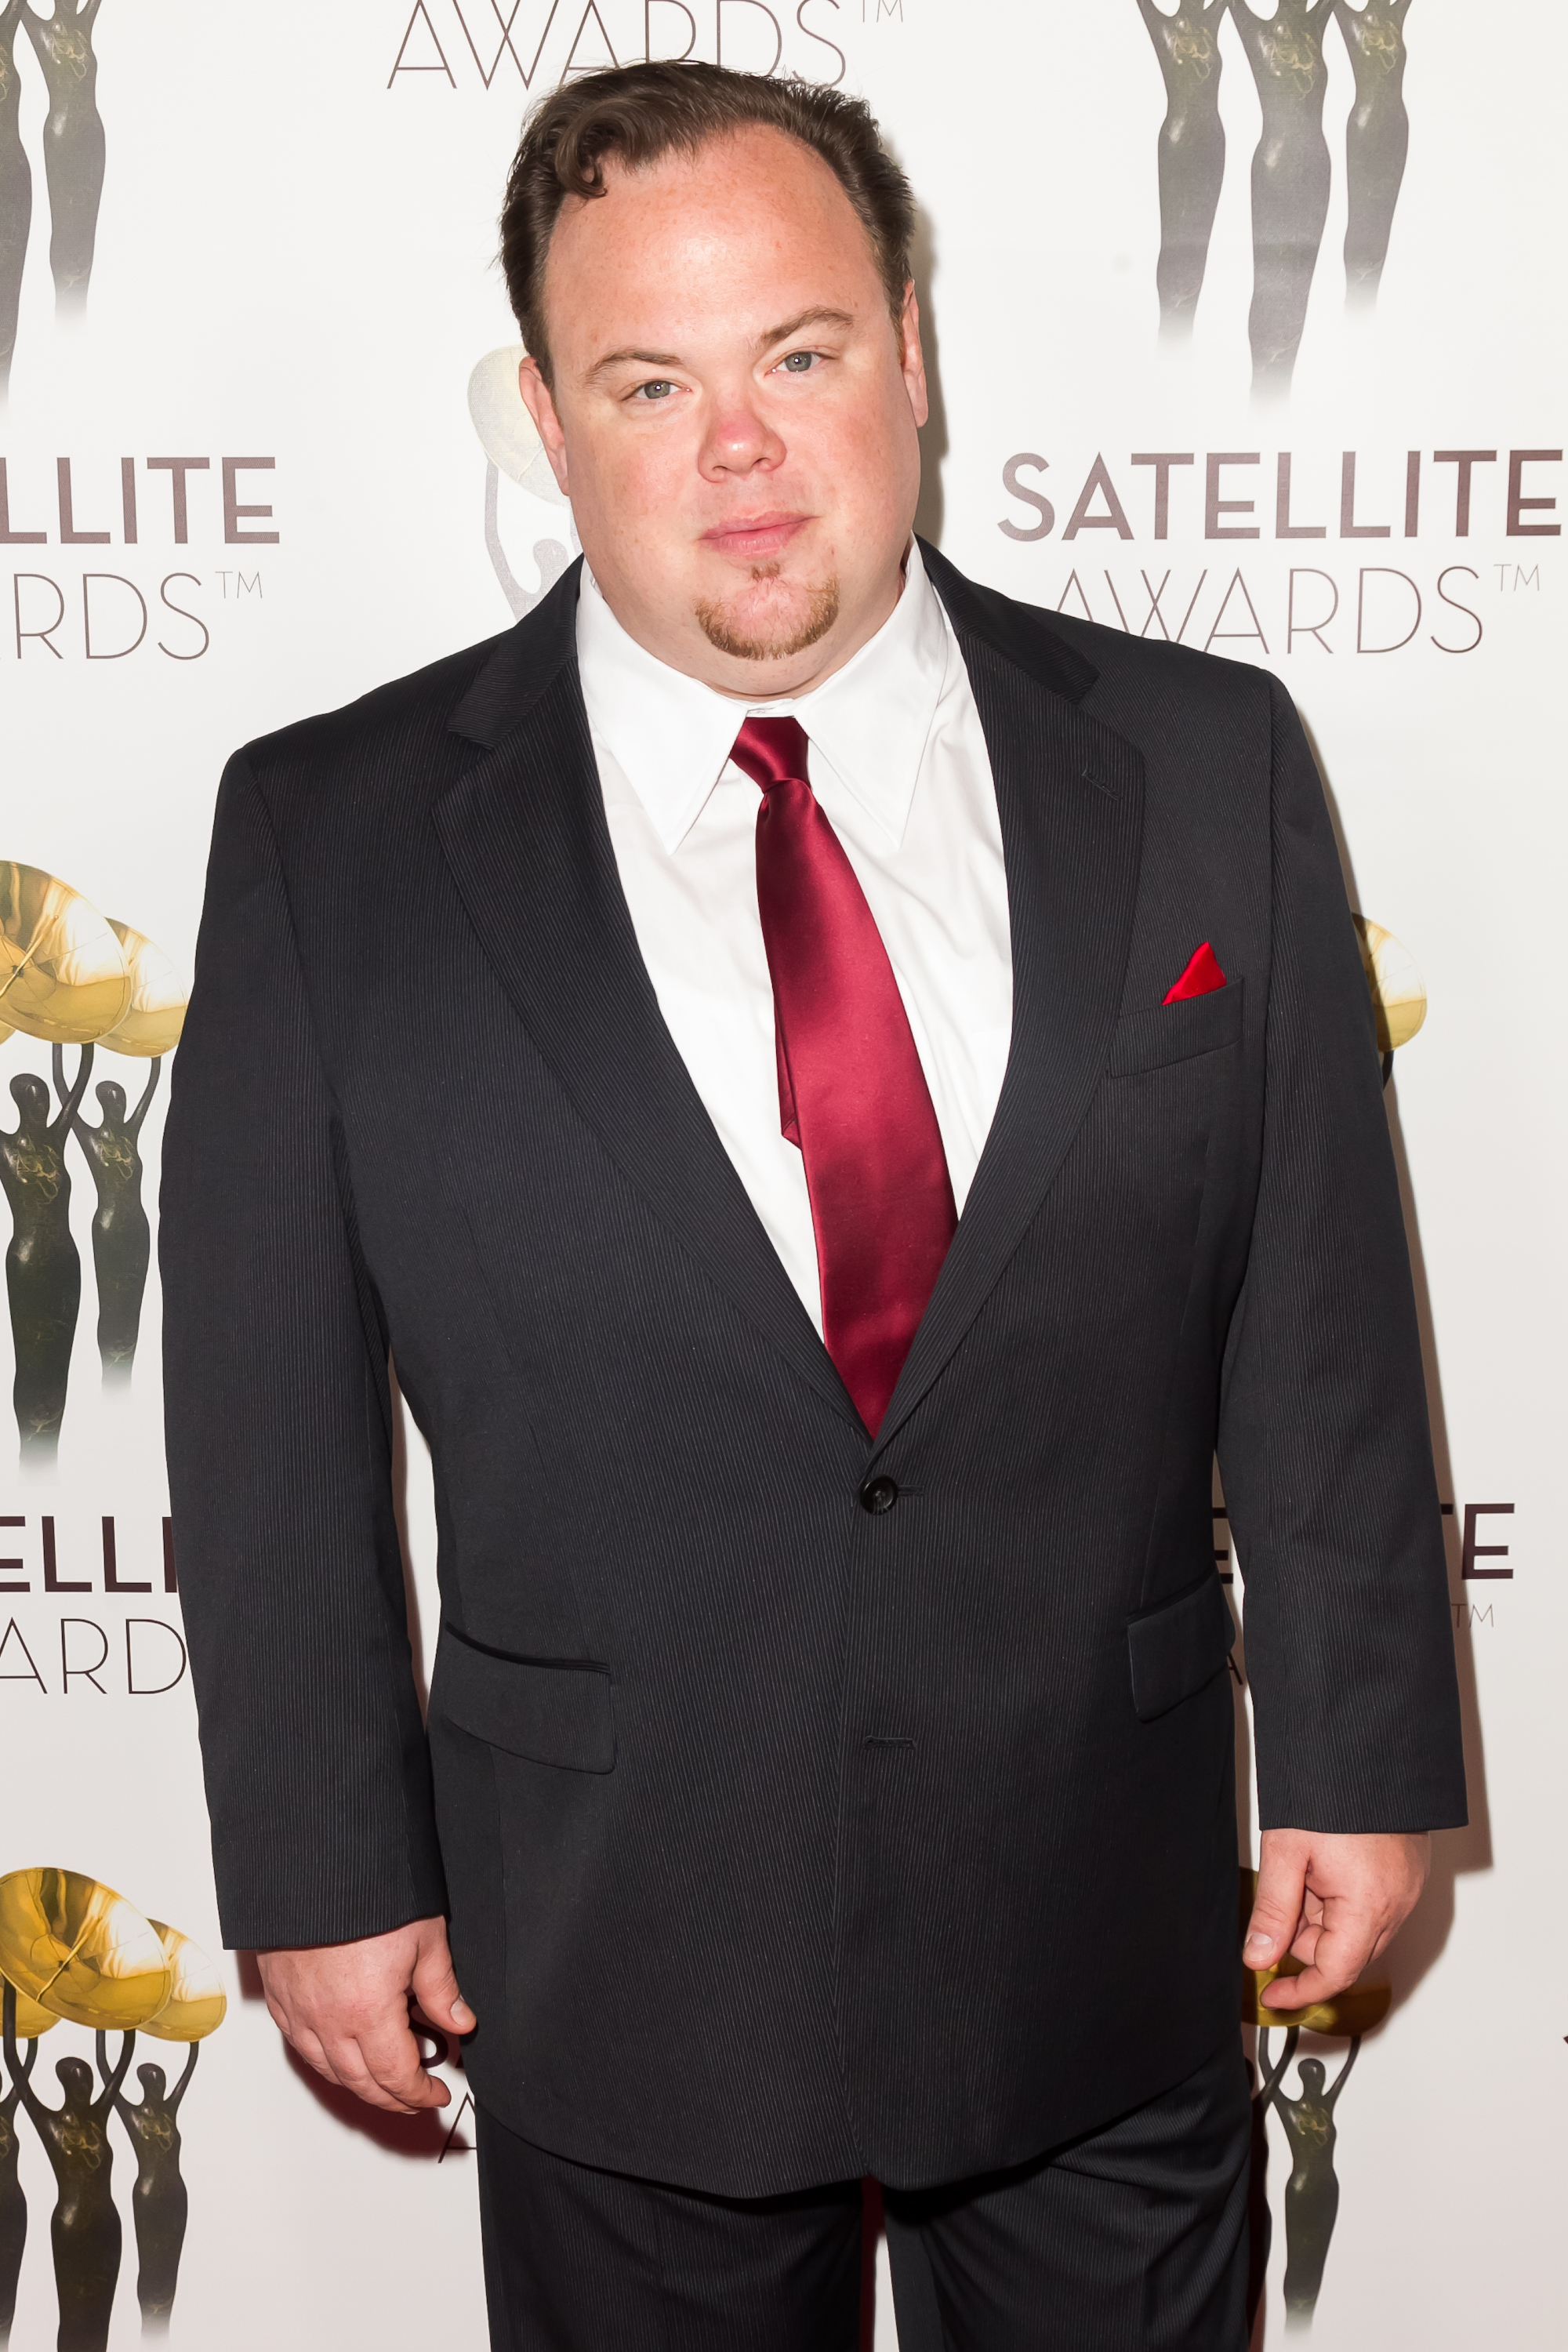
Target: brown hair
[(639, 113)]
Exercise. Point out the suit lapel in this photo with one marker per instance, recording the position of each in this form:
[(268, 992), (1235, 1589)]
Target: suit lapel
[(1070, 794), (523, 831)]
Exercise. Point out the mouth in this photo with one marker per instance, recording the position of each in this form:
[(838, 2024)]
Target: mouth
[(755, 539)]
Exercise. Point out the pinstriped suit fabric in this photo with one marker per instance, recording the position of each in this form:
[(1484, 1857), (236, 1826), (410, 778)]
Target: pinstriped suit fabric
[(886, 1872)]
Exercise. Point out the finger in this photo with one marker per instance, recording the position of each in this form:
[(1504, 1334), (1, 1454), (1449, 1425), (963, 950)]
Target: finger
[(354, 2075), (434, 1987), (1304, 1946), (353, 2070), (1341, 1954), (1277, 1915), (340, 2058), (312, 2049), (390, 2056)]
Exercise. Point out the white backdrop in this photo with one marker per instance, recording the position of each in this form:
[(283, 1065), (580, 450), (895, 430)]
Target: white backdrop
[(294, 264)]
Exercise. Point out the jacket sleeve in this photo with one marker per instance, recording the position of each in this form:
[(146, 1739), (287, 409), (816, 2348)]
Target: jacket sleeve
[(1325, 1445), (279, 1437)]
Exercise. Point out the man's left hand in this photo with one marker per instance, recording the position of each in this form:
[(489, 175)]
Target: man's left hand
[(1336, 1903)]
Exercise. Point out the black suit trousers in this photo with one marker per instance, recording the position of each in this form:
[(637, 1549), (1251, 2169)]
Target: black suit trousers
[(1131, 2238)]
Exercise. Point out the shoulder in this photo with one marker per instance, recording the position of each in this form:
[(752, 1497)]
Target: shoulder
[(1156, 667), (1111, 665), (1185, 711), (391, 718), (395, 749), (362, 782)]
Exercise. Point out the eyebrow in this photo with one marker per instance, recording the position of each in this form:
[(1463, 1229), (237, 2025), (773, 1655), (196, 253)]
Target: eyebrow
[(820, 315), (631, 358)]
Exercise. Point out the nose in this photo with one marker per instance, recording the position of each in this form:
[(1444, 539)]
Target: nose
[(739, 441)]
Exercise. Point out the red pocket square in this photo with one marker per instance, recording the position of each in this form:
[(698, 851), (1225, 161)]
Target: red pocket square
[(1201, 978)]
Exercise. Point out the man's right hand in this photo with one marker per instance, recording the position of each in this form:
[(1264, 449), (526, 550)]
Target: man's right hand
[(345, 2006)]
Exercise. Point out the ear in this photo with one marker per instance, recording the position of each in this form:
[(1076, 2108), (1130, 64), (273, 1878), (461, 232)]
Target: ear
[(541, 406), (914, 358)]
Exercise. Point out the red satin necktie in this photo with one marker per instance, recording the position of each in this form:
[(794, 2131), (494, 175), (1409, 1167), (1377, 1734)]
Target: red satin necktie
[(852, 1093)]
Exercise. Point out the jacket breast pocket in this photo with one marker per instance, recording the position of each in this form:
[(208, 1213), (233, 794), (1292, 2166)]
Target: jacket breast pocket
[(1160, 1034), (551, 1711), (1178, 1648)]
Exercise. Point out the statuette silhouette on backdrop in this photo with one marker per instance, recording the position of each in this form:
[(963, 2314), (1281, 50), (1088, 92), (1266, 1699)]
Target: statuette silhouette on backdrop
[(73, 142), (1192, 154), (16, 188), (71, 1947), (73, 154), (28, 2022), (1289, 178), (1291, 168), (1312, 2192), (121, 1236), (84, 2229), (43, 1269), (1377, 138), (69, 976), (160, 2202)]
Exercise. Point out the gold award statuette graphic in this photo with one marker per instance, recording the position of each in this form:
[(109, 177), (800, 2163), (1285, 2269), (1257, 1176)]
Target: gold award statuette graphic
[(1398, 991), (72, 1949), (71, 976), (63, 976), (1312, 2191)]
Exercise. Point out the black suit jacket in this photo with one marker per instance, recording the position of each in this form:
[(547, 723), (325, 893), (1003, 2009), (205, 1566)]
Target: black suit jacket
[(785, 1841)]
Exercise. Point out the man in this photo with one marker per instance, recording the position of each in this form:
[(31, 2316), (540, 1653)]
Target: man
[(836, 1090)]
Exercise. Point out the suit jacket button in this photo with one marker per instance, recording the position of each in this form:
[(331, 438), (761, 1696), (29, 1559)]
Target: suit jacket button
[(879, 1495)]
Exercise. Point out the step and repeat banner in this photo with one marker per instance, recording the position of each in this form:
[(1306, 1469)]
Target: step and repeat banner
[(1247, 333)]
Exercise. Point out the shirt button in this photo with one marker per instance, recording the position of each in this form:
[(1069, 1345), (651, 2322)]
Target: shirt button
[(879, 1495)]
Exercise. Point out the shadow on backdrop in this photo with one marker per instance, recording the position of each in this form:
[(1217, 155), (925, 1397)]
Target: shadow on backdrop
[(401, 1420), (1454, 1853), (929, 512), (1312, 2196), (436, 2133)]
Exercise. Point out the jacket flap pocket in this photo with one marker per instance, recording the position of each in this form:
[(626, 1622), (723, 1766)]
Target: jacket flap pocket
[(1177, 1032), (553, 1712), (1175, 1650)]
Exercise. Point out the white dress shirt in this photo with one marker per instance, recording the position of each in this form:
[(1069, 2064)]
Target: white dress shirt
[(899, 768)]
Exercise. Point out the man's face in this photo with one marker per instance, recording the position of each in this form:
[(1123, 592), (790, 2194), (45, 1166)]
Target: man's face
[(734, 413)]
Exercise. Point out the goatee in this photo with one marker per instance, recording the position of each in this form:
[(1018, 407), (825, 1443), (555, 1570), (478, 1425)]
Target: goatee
[(724, 631)]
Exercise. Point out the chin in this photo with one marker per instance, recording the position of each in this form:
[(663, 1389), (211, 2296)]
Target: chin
[(770, 617)]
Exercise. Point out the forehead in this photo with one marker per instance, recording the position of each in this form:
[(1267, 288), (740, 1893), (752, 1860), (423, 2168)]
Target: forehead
[(740, 221)]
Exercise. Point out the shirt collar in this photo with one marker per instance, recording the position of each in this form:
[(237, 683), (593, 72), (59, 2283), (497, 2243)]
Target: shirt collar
[(671, 736)]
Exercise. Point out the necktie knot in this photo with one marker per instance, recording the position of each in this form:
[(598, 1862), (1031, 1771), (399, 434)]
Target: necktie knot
[(772, 751)]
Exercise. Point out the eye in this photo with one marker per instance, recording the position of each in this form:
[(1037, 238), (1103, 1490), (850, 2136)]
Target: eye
[(800, 362), (660, 389)]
